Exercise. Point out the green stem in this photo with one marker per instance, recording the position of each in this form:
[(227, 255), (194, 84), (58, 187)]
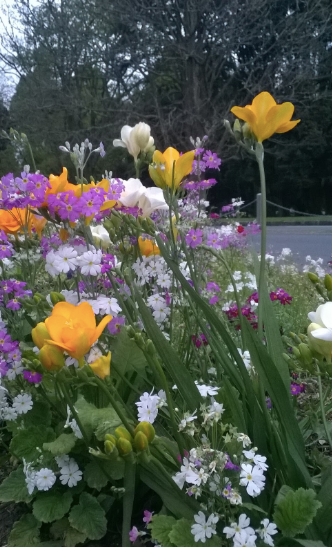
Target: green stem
[(114, 404), (128, 500), (74, 412), (261, 281), (321, 402)]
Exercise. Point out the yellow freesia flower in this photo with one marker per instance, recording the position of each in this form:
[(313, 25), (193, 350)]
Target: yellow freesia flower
[(265, 117), (73, 328), (170, 164), (102, 366), (147, 247)]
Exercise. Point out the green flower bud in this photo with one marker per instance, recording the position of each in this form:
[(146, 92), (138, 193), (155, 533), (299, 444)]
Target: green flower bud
[(56, 297), (295, 338), (147, 429), (150, 347), (110, 448), (139, 341), (313, 277), (287, 359), (328, 282), (109, 437), (124, 447), (122, 432), (296, 352), (141, 442), (329, 294), (305, 352), (131, 332)]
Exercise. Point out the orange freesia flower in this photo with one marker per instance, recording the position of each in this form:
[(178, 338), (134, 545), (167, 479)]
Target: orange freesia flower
[(102, 366), (59, 183), (13, 220), (73, 328), (147, 247), (169, 165), (265, 117), (104, 183), (38, 223)]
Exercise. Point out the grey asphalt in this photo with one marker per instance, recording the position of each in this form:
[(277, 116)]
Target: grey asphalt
[(302, 240)]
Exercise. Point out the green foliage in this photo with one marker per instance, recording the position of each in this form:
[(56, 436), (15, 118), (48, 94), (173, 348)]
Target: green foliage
[(88, 517), (160, 528), (170, 532), (295, 511), (62, 445), (14, 488), (94, 475), (69, 536), (126, 356), (25, 532), (52, 505), (40, 413), (25, 442), (102, 421)]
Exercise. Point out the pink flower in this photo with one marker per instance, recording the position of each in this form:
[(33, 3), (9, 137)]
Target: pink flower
[(194, 237), (133, 534), (147, 516)]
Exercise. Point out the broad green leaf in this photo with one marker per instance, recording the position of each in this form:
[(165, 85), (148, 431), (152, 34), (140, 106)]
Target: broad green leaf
[(283, 491), (40, 413), (25, 442), (178, 373), (74, 537), (14, 488), (160, 528), (94, 476), (295, 511), (106, 501), (323, 518), (126, 355), (309, 543), (25, 532), (181, 535), (69, 536), (101, 421), (157, 478), (88, 517), (52, 505), (62, 445)]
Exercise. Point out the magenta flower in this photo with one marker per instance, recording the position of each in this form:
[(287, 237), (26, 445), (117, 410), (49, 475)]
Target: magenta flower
[(194, 237), (212, 286), (214, 216), (212, 160), (214, 299), (90, 202), (199, 166), (32, 377), (68, 207), (115, 324), (133, 534), (147, 516)]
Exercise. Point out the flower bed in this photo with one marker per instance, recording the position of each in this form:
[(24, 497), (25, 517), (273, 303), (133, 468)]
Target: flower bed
[(158, 382)]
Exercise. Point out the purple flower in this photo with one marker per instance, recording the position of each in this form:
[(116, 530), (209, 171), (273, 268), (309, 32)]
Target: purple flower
[(102, 149), (90, 202), (230, 466), (214, 299), (69, 207), (194, 237), (268, 403), (213, 240), (191, 185), (5, 251), (227, 208), (212, 160), (133, 534), (226, 492), (199, 151), (147, 516), (212, 286), (6, 343), (32, 377), (115, 324), (297, 388), (13, 304), (3, 368), (207, 183), (198, 167)]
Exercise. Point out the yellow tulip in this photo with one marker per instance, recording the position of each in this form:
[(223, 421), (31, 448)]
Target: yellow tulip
[(73, 328), (102, 366), (40, 334), (51, 357), (169, 168), (265, 117), (147, 247)]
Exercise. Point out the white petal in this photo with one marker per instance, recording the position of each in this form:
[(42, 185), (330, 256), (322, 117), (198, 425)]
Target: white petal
[(323, 334), (326, 315), (119, 143)]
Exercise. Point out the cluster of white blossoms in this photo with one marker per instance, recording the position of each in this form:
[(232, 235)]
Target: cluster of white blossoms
[(68, 259), (314, 266), (102, 304), (243, 535), (245, 355), (149, 405), (44, 478), (244, 280), (21, 404)]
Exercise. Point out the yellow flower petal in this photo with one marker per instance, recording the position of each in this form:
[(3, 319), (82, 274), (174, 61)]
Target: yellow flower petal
[(288, 126), (183, 167), (244, 113), (261, 104)]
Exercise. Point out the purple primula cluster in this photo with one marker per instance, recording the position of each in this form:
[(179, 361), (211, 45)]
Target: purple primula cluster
[(10, 354), (10, 293), (281, 295), (32, 377), (297, 388), (115, 324), (194, 237), (20, 192), (205, 159), (6, 248)]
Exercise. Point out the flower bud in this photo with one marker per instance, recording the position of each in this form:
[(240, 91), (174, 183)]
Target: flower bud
[(141, 442), (139, 341), (131, 331), (140, 134), (39, 334), (122, 432), (150, 347), (318, 345), (147, 429), (63, 234), (51, 357), (56, 297), (313, 277), (110, 448), (102, 366), (237, 130), (296, 352), (124, 447), (109, 437), (37, 299), (295, 338), (305, 353), (328, 282), (227, 125)]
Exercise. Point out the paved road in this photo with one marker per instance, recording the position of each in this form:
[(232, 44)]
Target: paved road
[(302, 240)]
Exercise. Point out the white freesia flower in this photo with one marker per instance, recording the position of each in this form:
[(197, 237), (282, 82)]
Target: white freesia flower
[(152, 199), (320, 330), (100, 235), (133, 191), (204, 528), (135, 139)]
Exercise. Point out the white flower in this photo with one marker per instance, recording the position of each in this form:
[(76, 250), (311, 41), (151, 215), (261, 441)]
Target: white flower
[(164, 281), (30, 476), (235, 498), (135, 139), (156, 301), (9, 414), (16, 369), (100, 235), (268, 529), (246, 441), (22, 403), (253, 479), (65, 259), (246, 357), (257, 459), (203, 528), (73, 424), (70, 474), (50, 264), (206, 390), (108, 305), (62, 460), (160, 315), (134, 189), (187, 419), (90, 263), (242, 525), (242, 539), (44, 479), (152, 199), (147, 407)]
